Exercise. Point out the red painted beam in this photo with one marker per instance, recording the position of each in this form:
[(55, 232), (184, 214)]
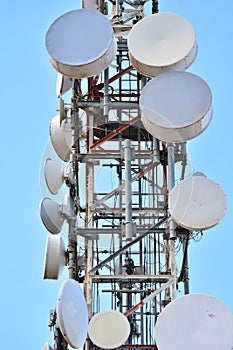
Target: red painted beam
[(115, 77), (116, 132)]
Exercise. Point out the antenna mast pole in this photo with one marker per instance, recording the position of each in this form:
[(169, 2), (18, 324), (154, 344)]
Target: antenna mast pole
[(74, 185), (172, 225)]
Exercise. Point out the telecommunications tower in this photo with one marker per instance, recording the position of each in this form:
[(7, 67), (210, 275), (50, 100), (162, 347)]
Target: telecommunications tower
[(128, 204)]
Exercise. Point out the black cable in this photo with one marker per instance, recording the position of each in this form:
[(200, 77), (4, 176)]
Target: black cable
[(182, 272), (155, 6)]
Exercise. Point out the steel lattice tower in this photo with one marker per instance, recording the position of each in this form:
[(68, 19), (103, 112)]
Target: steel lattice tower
[(122, 246)]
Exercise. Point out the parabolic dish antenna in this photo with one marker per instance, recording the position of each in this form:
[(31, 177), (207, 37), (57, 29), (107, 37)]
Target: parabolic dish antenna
[(63, 84), (51, 216), (160, 42), (76, 48), (197, 203), (109, 329), (176, 106), (53, 175), (195, 321), (54, 259), (72, 313), (61, 137)]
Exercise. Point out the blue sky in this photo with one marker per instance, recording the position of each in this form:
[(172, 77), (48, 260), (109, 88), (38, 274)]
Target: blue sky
[(28, 102)]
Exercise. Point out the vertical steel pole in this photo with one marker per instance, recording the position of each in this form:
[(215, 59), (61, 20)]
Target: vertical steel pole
[(184, 159), (129, 226), (88, 223), (171, 166), (172, 225), (72, 238), (186, 265), (186, 236), (106, 97), (117, 7)]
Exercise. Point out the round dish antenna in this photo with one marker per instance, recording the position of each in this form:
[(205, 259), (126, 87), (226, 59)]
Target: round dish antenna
[(176, 106), (53, 215), (197, 203), (198, 173), (161, 42), (116, 329), (63, 84), (195, 321), (55, 257), (61, 137), (76, 55), (53, 175), (72, 313)]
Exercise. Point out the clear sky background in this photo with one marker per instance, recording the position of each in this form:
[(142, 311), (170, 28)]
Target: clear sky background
[(28, 102)]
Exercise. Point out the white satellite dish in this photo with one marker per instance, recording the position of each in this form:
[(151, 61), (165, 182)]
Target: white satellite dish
[(55, 257), (61, 137), (50, 213), (109, 329), (195, 321), (53, 175), (197, 203), (176, 106), (47, 347), (74, 54), (161, 42), (72, 313), (198, 173), (63, 84)]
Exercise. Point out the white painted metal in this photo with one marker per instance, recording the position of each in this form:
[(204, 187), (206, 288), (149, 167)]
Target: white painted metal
[(76, 48), (72, 240), (90, 4), (176, 106), (72, 313), (195, 321), (197, 203), (161, 42), (54, 259), (171, 223), (61, 137), (53, 175), (63, 84), (109, 329), (129, 226), (149, 297), (51, 216)]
